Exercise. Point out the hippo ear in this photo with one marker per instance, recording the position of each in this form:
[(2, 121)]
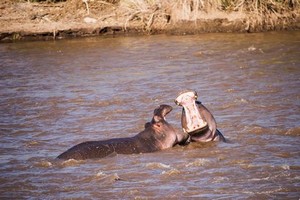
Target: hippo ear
[(156, 119)]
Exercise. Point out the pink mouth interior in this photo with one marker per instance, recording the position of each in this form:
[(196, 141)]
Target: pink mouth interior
[(194, 120)]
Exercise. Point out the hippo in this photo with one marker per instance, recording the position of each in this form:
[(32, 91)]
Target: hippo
[(157, 135), (196, 120)]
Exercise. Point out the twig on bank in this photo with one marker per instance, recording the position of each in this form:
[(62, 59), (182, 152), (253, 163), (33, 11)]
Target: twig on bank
[(130, 18), (54, 34), (107, 16), (106, 3), (46, 5), (239, 5), (87, 6), (150, 22)]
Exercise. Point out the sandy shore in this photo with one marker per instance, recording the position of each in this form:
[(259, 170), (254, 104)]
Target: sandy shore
[(74, 18)]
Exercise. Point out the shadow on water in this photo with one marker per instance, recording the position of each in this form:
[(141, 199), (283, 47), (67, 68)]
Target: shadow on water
[(57, 94)]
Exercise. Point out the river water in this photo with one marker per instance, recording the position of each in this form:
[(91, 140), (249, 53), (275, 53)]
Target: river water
[(57, 94)]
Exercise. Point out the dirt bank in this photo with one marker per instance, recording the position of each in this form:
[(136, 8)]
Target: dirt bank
[(22, 20)]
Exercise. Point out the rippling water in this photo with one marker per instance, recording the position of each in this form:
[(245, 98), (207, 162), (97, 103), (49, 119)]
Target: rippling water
[(54, 95)]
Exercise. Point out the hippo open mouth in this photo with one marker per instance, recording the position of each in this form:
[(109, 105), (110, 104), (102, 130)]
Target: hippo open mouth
[(193, 121)]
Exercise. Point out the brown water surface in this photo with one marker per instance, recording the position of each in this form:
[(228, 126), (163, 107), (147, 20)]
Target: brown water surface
[(54, 95)]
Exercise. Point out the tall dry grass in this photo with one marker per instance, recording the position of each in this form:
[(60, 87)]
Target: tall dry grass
[(160, 13), (256, 12)]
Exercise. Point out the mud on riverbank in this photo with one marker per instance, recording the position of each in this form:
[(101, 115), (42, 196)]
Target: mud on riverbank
[(21, 20)]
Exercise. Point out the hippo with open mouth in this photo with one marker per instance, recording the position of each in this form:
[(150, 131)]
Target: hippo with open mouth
[(196, 120), (157, 135)]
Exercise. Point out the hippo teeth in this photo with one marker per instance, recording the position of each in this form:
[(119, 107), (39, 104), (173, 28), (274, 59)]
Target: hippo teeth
[(185, 96)]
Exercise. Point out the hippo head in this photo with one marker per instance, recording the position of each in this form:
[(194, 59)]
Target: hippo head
[(167, 135), (191, 119), (160, 113)]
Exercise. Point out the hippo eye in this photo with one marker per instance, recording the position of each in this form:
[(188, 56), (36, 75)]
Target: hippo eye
[(196, 95), (177, 102)]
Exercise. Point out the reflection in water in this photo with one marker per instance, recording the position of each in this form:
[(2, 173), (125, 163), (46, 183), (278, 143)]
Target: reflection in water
[(57, 94)]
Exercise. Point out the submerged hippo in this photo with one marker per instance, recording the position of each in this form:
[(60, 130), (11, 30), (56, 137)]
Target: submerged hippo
[(157, 135), (196, 120)]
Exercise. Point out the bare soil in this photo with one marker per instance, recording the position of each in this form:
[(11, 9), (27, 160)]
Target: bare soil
[(48, 21)]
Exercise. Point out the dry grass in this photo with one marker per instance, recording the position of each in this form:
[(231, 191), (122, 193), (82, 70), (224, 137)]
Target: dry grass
[(256, 12), (141, 10), (160, 13)]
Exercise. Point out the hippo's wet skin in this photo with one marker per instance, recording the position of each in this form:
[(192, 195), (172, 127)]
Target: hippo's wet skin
[(157, 135), (196, 120)]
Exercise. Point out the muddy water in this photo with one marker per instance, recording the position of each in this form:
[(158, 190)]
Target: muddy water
[(54, 95)]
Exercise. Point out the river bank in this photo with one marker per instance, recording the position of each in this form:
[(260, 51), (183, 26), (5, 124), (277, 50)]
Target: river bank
[(25, 20)]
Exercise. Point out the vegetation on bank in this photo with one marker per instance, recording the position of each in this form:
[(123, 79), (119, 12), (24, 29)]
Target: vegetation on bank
[(51, 19), (253, 12), (159, 13)]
